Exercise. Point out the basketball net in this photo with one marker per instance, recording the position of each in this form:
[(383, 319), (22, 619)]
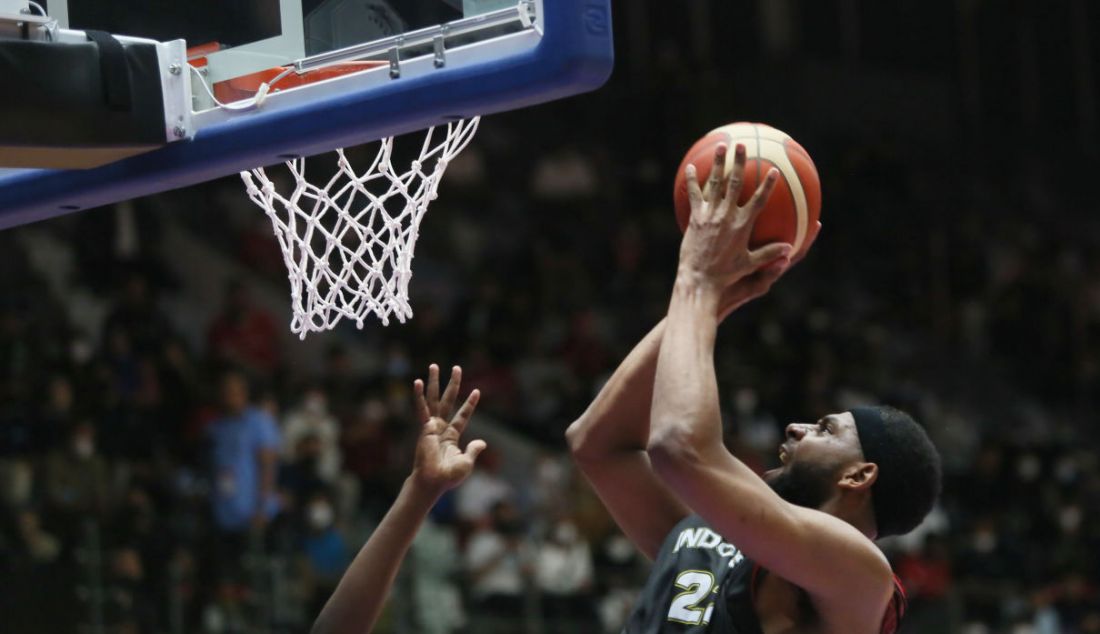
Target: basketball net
[(348, 243)]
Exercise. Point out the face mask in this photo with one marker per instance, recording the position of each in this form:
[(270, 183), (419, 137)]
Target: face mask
[(315, 405), (565, 533), (320, 516), (985, 541), (1070, 519), (84, 447)]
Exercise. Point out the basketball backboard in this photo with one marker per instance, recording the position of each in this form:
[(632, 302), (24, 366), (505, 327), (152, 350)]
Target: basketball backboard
[(341, 73)]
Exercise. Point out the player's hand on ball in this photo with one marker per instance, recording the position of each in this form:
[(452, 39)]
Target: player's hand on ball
[(715, 250), (440, 464), (759, 283)]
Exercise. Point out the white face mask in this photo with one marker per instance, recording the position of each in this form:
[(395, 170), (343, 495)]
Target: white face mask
[(985, 541), (320, 516), (84, 447), (315, 405), (565, 533)]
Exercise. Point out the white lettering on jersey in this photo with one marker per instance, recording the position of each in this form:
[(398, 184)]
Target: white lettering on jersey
[(705, 538)]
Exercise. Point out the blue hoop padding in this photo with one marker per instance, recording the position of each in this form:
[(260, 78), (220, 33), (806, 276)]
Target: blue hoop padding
[(574, 56)]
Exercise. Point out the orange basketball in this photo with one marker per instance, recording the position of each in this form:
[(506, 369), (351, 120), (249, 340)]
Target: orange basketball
[(795, 203)]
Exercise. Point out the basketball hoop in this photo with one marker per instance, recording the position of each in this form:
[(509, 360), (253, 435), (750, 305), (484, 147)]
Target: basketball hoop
[(348, 243)]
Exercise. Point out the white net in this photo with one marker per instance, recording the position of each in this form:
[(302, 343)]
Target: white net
[(349, 243)]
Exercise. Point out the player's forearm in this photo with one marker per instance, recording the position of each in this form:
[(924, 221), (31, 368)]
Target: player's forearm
[(357, 601), (618, 418), (685, 412)]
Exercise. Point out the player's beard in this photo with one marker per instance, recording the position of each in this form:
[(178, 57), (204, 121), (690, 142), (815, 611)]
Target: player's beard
[(803, 484)]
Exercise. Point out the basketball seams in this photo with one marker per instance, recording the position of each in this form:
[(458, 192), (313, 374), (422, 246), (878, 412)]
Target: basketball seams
[(779, 150), (748, 133), (782, 161)]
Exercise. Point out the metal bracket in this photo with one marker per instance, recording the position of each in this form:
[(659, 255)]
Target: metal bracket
[(176, 90), (394, 55), (439, 48)]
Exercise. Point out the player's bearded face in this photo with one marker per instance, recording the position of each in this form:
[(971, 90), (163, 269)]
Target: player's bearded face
[(804, 483)]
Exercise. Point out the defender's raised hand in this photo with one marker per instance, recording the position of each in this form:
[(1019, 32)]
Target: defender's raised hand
[(715, 249), (440, 464)]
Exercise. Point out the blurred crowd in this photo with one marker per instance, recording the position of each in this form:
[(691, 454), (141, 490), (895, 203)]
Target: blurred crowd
[(161, 475)]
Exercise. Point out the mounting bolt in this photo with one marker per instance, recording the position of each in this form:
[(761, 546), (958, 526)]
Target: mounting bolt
[(175, 69), (179, 131)]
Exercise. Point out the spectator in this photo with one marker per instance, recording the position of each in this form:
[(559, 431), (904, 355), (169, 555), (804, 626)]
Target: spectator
[(326, 553), (564, 576), (135, 313), (498, 567), (244, 334), (368, 448), (312, 418), (244, 445), (300, 479), (77, 479), (484, 490)]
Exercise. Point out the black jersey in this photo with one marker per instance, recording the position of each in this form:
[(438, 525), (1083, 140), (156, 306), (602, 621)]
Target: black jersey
[(701, 583)]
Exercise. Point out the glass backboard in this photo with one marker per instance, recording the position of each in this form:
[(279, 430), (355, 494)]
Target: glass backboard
[(341, 73)]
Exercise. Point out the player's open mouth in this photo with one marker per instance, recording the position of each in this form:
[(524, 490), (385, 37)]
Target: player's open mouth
[(783, 455)]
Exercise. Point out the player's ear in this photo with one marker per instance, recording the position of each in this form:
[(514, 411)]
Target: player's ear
[(859, 476)]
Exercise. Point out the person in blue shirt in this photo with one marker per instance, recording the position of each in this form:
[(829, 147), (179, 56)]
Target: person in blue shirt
[(244, 445)]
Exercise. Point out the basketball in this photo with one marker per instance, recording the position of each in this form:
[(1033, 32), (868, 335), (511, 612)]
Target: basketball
[(795, 203)]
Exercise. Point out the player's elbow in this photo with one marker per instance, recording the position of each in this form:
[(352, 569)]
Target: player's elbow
[(320, 626), (673, 447), (579, 441)]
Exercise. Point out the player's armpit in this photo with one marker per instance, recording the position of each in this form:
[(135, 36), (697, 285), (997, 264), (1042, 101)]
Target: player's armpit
[(643, 507), (608, 444), (836, 564)]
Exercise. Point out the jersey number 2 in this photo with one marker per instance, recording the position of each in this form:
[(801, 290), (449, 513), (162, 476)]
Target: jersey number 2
[(697, 586)]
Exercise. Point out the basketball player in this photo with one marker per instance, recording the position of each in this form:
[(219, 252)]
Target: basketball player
[(735, 553), (439, 465)]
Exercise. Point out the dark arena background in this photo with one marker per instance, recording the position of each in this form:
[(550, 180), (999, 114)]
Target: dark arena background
[(957, 276)]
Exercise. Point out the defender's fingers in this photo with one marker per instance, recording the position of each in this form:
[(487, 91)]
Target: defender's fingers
[(474, 449), (759, 200), (450, 395), (737, 175), (717, 175), (769, 253), (462, 418), (423, 414), (433, 388)]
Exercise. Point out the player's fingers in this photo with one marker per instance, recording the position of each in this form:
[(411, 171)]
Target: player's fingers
[(737, 175), (717, 175), (433, 389), (695, 193), (433, 427), (450, 394), (759, 199), (474, 449), (769, 253), (462, 418), (422, 411)]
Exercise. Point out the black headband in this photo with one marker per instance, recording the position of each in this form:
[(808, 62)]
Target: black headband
[(878, 448)]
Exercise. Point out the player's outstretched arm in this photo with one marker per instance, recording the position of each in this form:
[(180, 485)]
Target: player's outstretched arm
[(808, 548), (439, 465)]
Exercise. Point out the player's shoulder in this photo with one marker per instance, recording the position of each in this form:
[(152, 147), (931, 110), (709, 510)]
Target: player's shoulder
[(895, 611)]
